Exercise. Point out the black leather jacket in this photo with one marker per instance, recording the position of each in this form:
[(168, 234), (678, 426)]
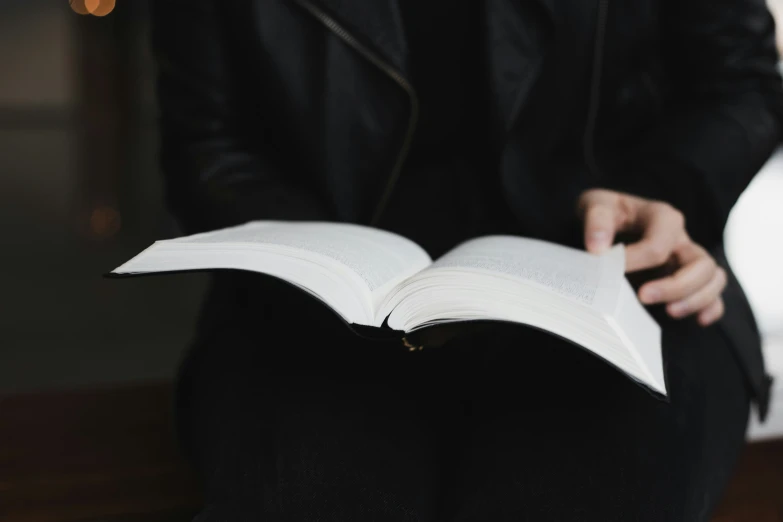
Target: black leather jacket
[(301, 109)]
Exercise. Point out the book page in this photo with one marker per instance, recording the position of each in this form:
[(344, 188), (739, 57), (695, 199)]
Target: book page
[(573, 273), (577, 296), (378, 257)]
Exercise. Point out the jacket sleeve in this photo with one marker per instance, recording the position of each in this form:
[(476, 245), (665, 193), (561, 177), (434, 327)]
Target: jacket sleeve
[(218, 171), (724, 118)]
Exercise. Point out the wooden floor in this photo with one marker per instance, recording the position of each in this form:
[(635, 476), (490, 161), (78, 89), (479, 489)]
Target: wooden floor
[(105, 456), (756, 493), (109, 456)]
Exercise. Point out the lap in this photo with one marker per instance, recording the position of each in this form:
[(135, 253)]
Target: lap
[(562, 436), (512, 425), (307, 425)]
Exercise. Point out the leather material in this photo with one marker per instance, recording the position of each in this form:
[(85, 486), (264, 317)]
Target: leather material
[(271, 111), (739, 326)]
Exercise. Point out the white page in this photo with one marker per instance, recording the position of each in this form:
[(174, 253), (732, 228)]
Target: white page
[(376, 256), (342, 264), (580, 296), (637, 328), (586, 278)]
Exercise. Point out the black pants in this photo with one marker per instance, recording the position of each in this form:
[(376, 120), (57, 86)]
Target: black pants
[(303, 421)]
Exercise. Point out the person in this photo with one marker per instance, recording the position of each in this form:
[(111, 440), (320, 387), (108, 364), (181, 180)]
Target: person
[(578, 122)]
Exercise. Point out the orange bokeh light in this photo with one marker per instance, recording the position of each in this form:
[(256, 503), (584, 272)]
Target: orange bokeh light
[(104, 222), (93, 7), (103, 8), (78, 7)]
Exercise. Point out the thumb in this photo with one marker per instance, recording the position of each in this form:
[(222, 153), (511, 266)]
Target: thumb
[(600, 218)]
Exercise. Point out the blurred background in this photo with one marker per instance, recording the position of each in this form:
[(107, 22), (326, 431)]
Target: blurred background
[(80, 193)]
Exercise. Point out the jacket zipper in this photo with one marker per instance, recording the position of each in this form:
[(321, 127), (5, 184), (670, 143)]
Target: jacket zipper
[(331, 24), (595, 89)]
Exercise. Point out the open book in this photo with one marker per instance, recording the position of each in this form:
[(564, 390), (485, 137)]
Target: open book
[(376, 278)]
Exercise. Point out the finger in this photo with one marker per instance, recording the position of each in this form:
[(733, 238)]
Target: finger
[(600, 225), (686, 251), (683, 283), (712, 313), (701, 299), (664, 229), (599, 210)]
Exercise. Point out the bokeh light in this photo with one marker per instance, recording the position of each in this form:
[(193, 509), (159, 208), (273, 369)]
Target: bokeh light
[(102, 7), (78, 7), (105, 222), (93, 7)]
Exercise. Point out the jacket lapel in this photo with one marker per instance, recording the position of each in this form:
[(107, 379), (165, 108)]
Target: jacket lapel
[(517, 31), (377, 24)]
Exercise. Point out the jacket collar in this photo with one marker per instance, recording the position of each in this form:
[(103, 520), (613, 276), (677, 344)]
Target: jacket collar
[(376, 24)]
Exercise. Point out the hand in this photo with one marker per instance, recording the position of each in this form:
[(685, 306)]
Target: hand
[(697, 283)]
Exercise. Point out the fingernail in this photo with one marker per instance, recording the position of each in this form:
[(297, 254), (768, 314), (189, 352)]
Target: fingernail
[(678, 308), (599, 239), (651, 295)]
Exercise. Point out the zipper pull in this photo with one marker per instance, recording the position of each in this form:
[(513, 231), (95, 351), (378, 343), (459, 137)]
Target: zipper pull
[(411, 347)]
